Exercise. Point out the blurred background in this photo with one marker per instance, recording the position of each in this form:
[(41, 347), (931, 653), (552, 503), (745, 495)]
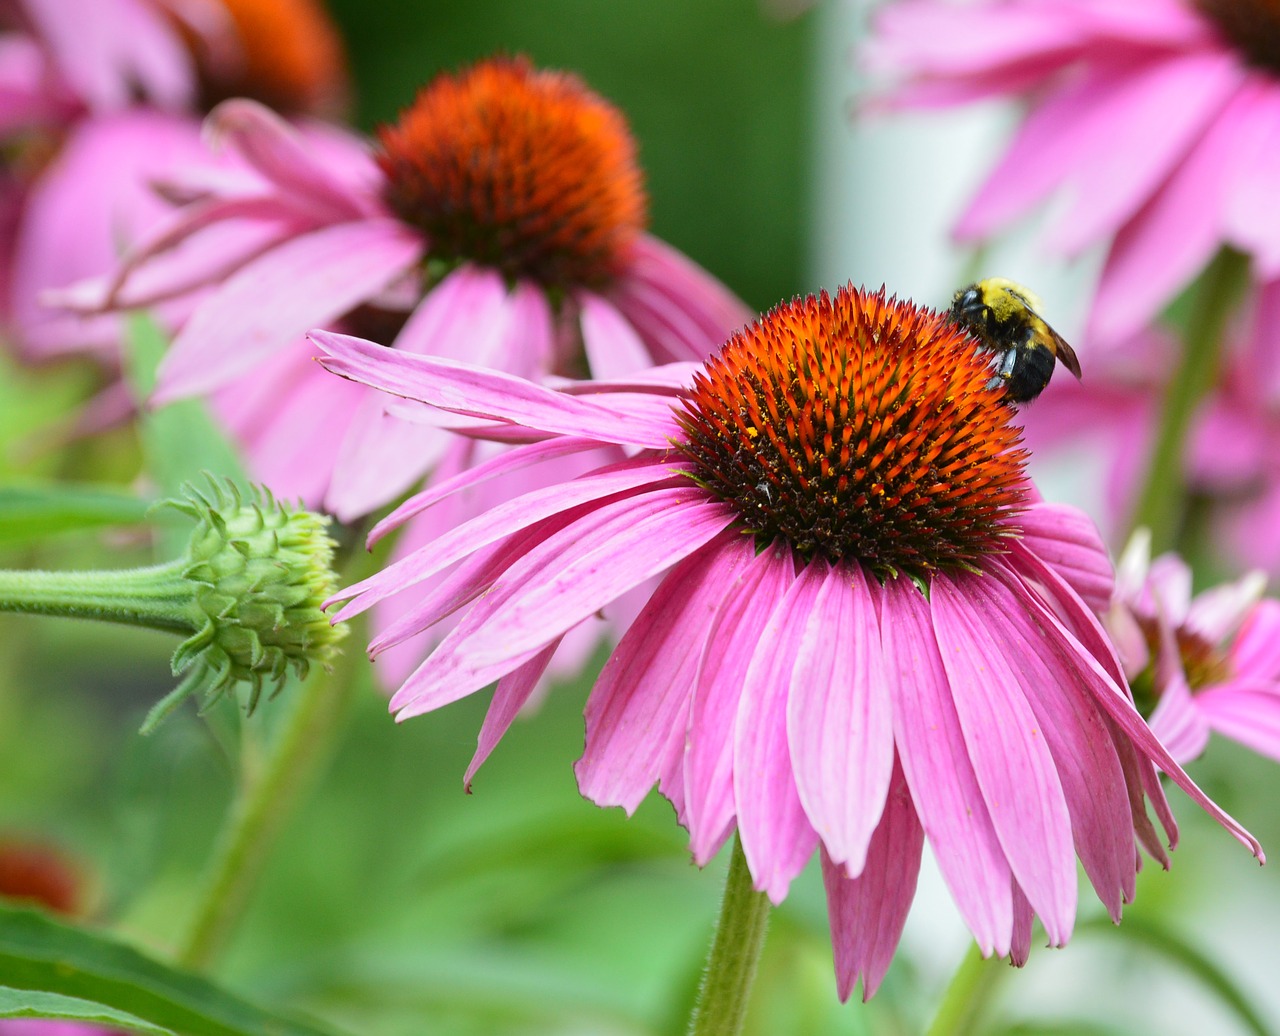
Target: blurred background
[(395, 904)]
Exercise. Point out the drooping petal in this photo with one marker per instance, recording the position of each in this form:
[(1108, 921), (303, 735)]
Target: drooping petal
[(611, 343), (1069, 541), (761, 582), (839, 722), (464, 389), (666, 525), (509, 696), (611, 549), (939, 772), (776, 835), (1176, 720), (499, 522), (1023, 918), (1077, 735), (310, 280), (636, 713), (867, 913), (1013, 764)]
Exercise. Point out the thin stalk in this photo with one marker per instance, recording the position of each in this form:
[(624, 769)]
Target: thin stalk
[(1163, 498), (263, 805), (966, 998), (155, 597), (735, 952)]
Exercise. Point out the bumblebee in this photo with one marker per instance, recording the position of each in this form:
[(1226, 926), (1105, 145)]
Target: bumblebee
[(1003, 317)]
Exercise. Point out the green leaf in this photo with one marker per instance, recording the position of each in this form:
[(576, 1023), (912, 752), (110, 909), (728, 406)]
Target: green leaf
[(179, 440), (27, 1003), (30, 513), (40, 954)]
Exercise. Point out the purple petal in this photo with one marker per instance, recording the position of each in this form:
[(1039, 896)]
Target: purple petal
[(661, 528), (867, 913), (509, 696), (939, 772), (1176, 720), (777, 838), (761, 582), (501, 521), (839, 723), (1013, 764), (636, 715), (1066, 538), (492, 395), (312, 279), (1023, 918)]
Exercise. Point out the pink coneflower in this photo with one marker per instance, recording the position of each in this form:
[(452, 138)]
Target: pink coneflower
[(1198, 664), (104, 99), (1153, 118), (504, 222), (864, 629)]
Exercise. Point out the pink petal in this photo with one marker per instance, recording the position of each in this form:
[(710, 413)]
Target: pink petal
[(1255, 654), (1177, 722), (1077, 735), (761, 583), (1102, 672), (1176, 233), (382, 455), (1077, 128), (1013, 764), (509, 696), (312, 279), (1248, 714), (1253, 204), (867, 913), (1023, 919), (637, 710), (505, 463), (1217, 613), (839, 723), (613, 347), (1066, 538), (607, 552), (776, 836), (680, 311), (664, 526), (283, 155), (939, 772), (501, 521), (464, 389)]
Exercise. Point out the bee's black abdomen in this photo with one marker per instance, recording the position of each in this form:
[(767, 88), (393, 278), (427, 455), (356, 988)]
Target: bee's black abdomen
[(1031, 372)]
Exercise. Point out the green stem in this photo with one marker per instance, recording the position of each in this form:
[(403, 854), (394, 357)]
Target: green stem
[(731, 967), (155, 597), (263, 805), (961, 1010), (1161, 503)]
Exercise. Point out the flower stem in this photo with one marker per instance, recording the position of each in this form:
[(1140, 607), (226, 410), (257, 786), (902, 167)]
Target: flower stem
[(1163, 499), (731, 966), (961, 1010), (263, 805), (156, 597)]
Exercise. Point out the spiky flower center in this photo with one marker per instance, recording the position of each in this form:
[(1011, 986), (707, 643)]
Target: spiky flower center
[(1203, 662), (858, 426), (1252, 26), (288, 54), (520, 169)]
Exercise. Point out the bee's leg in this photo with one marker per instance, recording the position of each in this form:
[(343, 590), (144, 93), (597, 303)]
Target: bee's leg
[(1004, 370)]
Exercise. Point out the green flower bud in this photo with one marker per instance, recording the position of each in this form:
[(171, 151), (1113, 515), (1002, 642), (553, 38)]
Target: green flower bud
[(247, 591)]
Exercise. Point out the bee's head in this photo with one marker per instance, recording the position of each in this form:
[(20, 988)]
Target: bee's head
[(968, 305)]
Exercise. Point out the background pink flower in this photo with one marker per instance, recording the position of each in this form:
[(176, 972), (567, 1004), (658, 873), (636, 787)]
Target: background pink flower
[(1152, 121), (863, 627)]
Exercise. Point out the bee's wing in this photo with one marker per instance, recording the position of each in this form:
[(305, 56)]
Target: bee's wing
[(1065, 354)]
